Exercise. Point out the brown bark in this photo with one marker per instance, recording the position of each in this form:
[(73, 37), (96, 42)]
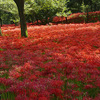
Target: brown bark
[(0, 32), (20, 6)]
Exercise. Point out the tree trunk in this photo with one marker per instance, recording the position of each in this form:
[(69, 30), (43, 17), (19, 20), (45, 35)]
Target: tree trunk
[(66, 19), (0, 32), (1, 22), (95, 7), (20, 6), (87, 16)]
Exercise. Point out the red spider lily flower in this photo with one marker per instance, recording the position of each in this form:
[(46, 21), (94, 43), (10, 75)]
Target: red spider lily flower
[(32, 77), (88, 86), (57, 92), (43, 98), (56, 83), (33, 95)]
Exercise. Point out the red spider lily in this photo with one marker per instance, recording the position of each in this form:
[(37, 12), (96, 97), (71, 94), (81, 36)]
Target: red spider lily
[(58, 61), (43, 98)]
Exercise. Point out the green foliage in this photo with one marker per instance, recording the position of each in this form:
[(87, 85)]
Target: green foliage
[(45, 10), (8, 11), (84, 7), (6, 95), (80, 5)]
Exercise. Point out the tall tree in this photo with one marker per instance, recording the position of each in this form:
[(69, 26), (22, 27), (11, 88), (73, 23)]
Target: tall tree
[(0, 27), (0, 32), (20, 6)]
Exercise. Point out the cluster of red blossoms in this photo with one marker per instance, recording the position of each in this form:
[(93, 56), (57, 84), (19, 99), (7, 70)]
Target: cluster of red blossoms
[(79, 17), (57, 62)]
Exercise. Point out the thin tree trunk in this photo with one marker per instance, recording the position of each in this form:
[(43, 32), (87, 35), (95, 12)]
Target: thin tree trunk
[(66, 19), (20, 6), (0, 32), (95, 7), (1, 22), (87, 16)]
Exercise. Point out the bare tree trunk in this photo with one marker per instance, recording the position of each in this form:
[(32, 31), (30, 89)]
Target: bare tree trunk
[(1, 22), (20, 6), (0, 32), (87, 15)]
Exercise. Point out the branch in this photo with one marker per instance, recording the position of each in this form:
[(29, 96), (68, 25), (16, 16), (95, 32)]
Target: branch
[(5, 10)]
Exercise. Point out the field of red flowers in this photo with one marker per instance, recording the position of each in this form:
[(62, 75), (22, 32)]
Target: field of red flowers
[(79, 18), (57, 62)]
